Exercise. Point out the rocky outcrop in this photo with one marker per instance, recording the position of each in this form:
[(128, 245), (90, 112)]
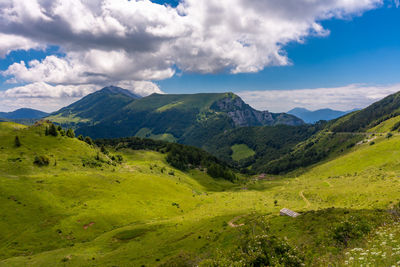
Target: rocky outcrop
[(243, 115)]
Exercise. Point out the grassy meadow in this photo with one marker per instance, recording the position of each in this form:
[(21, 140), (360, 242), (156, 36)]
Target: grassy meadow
[(84, 209)]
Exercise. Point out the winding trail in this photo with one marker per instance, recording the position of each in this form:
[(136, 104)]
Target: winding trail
[(305, 199), (232, 224)]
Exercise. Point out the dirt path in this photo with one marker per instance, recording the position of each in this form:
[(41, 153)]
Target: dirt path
[(305, 199), (232, 224)]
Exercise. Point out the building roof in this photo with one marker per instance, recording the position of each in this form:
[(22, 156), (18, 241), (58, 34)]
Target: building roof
[(288, 212)]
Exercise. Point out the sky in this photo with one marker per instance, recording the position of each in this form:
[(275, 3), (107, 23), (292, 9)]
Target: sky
[(276, 55)]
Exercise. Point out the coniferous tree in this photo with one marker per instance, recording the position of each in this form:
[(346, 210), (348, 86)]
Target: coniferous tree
[(53, 130), (46, 131)]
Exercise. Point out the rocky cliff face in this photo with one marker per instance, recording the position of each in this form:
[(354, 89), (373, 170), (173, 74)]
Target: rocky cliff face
[(244, 115)]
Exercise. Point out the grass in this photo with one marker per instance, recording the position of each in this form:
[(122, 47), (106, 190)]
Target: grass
[(66, 119), (169, 106), (147, 133), (241, 151), (385, 126), (138, 213)]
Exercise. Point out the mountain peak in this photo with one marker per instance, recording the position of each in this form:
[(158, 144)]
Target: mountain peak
[(118, 90)]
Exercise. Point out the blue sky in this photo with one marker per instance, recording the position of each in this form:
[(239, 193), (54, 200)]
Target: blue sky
[(347, 53), (363, 49)]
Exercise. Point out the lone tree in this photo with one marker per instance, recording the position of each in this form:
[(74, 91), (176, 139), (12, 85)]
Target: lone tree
[(17, 141), (70, 133), (53, 130)]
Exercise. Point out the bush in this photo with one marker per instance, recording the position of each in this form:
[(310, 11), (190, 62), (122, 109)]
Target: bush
[(351, 229), (104, 150), (389, 135), (80, 137), (70, 133), (89, 140), (41, 161), (17, 142), (258, 247)]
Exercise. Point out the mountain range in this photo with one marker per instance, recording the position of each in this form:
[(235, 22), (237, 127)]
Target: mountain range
[(309, 116), (24, 113), (188, 119)]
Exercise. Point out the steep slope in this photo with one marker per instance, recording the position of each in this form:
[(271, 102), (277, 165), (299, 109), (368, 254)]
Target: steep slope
[(360, 121), (94, 107), (188, 119), (309, 116), (24, 113), (263, 144)]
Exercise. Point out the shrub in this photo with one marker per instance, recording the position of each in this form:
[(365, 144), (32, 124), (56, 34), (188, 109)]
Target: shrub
[(258, 247), (104, 150), (351, 229), (91, 163), (389, 135), (89, 140), (70, 133), (80, 137), (17, 141), (372, 143), (41, 161)]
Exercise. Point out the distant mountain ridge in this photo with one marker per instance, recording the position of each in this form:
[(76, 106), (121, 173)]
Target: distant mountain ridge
[(309, 116), (23, 113), (185, 118)]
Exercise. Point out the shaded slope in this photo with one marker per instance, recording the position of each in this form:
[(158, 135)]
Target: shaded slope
[(190, 119), (94, 107), (268, 142)]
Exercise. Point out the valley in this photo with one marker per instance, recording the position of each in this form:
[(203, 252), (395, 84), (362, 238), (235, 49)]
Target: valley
[(112, 213)]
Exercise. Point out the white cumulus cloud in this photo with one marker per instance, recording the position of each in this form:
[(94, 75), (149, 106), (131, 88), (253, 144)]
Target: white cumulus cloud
[(116, 40), (135, 42)]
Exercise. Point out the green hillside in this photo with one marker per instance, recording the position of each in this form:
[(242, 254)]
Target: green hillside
[(268, 144), (85, 209), (93, 108), (369, 117), (188, 119)]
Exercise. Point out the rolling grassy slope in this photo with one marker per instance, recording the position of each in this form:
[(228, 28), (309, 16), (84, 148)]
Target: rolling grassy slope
[(144, 212)]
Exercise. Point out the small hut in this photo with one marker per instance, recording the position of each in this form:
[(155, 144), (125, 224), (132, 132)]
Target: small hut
[(288, 212)]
